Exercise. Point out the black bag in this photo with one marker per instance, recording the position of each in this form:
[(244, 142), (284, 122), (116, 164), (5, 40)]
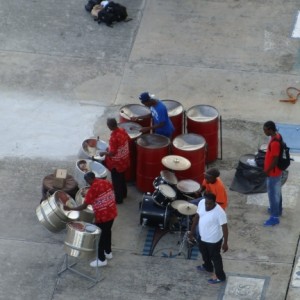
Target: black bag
[(89, 6), (284, 159), (113, 12), (260, 158)]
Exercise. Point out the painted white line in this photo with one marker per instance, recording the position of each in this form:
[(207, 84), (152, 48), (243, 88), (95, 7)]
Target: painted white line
[(296, 31)]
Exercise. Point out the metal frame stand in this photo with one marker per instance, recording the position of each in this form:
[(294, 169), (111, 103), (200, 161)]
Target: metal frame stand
[(67, 266)]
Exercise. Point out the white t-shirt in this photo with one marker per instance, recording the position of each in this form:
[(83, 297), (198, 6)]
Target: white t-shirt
[(210, 222)]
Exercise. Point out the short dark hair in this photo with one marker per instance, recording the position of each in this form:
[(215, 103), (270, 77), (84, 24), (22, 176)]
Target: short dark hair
[(270, 125), (112, 122), (89, 176), (210, 196)]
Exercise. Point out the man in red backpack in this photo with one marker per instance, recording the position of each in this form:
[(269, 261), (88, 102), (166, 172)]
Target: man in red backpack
[(273, 173)]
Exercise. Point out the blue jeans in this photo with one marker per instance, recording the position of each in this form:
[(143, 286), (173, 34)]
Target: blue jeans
[(274, 194)]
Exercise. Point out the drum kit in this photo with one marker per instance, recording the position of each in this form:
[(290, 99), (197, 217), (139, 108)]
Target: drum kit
[(169, 204)]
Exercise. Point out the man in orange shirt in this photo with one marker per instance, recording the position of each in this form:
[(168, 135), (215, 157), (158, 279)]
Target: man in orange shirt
[(213, 184), (117, 158)]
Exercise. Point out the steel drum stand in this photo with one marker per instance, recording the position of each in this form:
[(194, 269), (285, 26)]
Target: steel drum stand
[(67, 266)]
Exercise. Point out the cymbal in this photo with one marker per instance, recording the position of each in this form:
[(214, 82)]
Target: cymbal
[(187, 209), (176, 162), (176, 203)]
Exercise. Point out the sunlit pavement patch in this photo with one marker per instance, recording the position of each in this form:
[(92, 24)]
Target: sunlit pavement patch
[(239, 287)]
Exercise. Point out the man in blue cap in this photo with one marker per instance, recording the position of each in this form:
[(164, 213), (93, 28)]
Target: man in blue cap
[(161, 123)]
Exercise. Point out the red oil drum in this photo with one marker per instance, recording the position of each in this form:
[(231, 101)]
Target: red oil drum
[(175, 112), (136, 110), (192, 147), (151, 149), (133, 130), (204, 120)]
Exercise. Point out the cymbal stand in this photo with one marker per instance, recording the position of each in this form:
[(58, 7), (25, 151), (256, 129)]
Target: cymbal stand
[(185, 236), (67, 266), (186, 241)]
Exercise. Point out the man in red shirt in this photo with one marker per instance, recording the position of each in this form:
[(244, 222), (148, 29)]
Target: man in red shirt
[(101, 196), (117, 158), (273, 173)]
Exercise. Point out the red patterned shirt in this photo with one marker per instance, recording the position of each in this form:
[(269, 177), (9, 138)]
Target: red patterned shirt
[(119, 147), (102, 198)]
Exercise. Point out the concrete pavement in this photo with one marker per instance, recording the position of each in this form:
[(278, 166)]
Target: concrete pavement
[(62, 74)]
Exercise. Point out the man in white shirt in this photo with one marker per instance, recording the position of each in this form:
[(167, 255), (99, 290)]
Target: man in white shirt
[(213, 230)]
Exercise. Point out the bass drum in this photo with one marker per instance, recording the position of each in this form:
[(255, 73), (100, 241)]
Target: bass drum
[(153, 215)]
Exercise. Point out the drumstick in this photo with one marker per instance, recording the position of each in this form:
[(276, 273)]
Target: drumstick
[(123, 112)]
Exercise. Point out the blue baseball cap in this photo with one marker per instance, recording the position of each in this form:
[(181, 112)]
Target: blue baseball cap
[(145, 97)]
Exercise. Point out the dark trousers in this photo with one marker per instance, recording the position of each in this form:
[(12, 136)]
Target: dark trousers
[(211, 255), (119, 184), (105, 239)]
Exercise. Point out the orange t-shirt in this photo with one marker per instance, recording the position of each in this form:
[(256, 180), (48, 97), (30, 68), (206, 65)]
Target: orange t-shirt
[(219, 190)]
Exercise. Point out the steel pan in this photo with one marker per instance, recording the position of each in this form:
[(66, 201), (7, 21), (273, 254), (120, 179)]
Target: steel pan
[(151, 148), (51, 214), (175, 113), (86, 215), (96, 167), (133, 130), (81, 239), (91, 147), (204, 120), (192, 147), (135, 111)]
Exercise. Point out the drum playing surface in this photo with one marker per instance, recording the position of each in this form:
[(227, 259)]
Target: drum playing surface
[(188, 186), (169, 177)]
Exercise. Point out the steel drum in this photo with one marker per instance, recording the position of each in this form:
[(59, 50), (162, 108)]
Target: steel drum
[(135, 111), (86, 215), (204, 120), (81, 239), (175, 113), (133, 130), (51, 214), (151, 148), (85, 165), (192, 147), (91, 147)]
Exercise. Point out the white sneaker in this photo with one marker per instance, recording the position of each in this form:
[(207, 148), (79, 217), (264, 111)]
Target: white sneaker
[(98, 263), (108, 255)]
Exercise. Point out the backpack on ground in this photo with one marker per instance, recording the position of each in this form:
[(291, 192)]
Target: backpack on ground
[(284, 159), (112, 12), (91, 3)]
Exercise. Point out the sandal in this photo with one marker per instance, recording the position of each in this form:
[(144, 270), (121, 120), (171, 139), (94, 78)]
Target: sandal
[(214, 281)]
